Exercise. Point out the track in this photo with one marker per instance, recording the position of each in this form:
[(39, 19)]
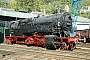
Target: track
[(17, 52), (86, 45)]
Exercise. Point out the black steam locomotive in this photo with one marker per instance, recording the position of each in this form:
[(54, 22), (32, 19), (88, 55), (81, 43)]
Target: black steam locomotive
[(51, 31), (55, 24)]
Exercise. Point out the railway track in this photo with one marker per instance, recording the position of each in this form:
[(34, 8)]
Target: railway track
[(86, 45), (20, 51)]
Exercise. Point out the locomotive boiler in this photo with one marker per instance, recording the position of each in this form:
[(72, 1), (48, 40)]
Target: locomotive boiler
[(53, 24), (51, 31)]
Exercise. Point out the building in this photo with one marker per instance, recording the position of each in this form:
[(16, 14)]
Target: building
[(82, 23), (7, 15)]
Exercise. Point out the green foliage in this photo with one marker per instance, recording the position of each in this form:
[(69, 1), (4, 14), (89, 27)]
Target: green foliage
[(30, 5), (86, 15), (39, 5), (51, 7), (85, 2), (0, 3), (11, 4)]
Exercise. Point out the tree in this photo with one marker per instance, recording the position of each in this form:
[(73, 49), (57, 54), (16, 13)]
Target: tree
[(38, 5), (0, 3), (85, 2), (30, 5), (12, 4)]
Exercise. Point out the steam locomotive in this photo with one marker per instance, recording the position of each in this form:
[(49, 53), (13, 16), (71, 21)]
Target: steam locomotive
[(51, 31)]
